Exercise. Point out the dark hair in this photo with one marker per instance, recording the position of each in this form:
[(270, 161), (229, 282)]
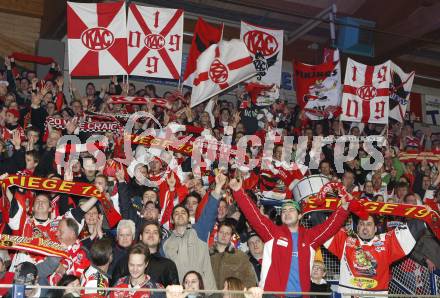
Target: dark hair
[(199, 277), (151, 223), (181, 205), (66, 279), (227, 223), (405, 198), (401, 184), (34, 155), (192, 194), (140, 249), (155, 204), (221, 111), (72, 224), (101, 252)]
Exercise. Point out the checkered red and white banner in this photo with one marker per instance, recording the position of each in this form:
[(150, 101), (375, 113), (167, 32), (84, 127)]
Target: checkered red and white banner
[(366, 92), (266, 48), (155, 38), (220, 67), (97, 38)]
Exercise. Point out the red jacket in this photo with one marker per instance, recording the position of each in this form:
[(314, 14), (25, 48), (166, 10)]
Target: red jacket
[(278, 244)]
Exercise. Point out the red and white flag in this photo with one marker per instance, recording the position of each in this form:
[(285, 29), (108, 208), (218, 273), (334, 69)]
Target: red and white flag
[(266, 48), (318, 87), (204, 36), (366, 92), (155, 38), (220, 67), (400, 91), (97, 38)]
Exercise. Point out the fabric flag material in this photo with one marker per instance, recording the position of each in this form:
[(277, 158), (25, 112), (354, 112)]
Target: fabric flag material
[(318, 87), (400, 90), (155, 38), (204, 36), (97, 38), (366, 92), (266, 48), (220, 67)]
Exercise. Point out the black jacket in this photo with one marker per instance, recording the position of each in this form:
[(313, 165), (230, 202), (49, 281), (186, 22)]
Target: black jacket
[(159, 268)]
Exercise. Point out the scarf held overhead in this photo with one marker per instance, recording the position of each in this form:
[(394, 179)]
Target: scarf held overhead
[(432, 218), (66, 187)]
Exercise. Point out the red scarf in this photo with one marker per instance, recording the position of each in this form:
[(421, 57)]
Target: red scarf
[(404, 210), (45, 247), (67, 187)]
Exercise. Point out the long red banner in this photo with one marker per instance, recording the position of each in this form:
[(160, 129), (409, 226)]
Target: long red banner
[(431, 217), (66, 187), (40, 246)]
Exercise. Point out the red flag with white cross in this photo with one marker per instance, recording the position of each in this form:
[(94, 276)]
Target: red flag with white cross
[(220, 67), (97, 38), (366, 92), (155, 38)]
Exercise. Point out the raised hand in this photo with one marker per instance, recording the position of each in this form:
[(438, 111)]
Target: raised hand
[(171, 181), (16, 139), (235, 184), (71, 125), (120, 175), (220, 179)]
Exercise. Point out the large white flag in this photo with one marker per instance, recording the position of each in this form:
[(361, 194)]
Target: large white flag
[(97, 38), (155, 38), (366, 92), (266, 48), (220, 67), (400, 90)]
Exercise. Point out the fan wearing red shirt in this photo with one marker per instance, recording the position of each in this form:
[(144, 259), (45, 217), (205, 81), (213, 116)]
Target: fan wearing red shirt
[(138, 259), (366, 257)]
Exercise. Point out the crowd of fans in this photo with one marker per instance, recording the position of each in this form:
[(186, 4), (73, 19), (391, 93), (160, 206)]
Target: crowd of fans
[(227, 229)]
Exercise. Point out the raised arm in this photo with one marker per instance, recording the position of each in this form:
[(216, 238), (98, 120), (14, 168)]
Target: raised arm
[(261, 224), (209, 215)]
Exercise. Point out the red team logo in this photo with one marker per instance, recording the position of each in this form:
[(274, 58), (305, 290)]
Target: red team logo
[(218, 72), (260, 42), (154, 41), (97, 39), (367, 92)]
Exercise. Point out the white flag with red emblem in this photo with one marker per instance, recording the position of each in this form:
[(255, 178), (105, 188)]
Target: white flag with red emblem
[(366, 92), (155, 38), (220, 67), (266, 48), (97, 38)]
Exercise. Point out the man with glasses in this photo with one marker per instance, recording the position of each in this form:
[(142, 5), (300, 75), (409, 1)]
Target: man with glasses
[(290, 248)]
